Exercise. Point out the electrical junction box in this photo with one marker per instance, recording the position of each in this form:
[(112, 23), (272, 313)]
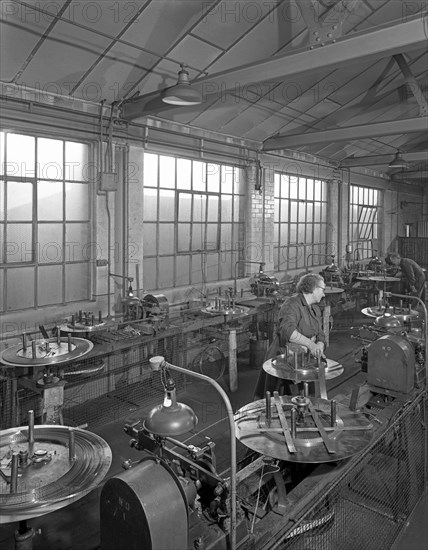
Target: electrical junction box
[(107, 181)]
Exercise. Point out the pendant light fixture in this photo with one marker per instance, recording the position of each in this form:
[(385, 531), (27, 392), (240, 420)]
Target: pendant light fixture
[(182, 93), (170, 418), (398, 161)]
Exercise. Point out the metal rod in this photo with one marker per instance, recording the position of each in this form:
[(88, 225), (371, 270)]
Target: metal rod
[(333, 412), (71, 445), (14, 473), (235, 281), (137, 280), (69, 342), (268, 408), (130, 279), (229, 410), (33, 349), (24, 342), (30, 430), (293, 422)]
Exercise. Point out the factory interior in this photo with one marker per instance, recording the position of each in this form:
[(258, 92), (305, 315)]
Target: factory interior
[(171, 171)]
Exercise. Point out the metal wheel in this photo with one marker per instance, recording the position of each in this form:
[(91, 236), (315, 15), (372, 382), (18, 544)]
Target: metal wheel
[(211, 361)]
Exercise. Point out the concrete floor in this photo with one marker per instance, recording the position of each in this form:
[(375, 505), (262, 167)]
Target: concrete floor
[(76, 527)]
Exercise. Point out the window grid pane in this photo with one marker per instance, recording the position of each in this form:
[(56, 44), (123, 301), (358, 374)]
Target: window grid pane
[(363, 221), (45, 185), (300, 219), (206, 222)]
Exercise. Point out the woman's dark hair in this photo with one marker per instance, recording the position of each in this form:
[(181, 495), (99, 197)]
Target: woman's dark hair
[(308, 283), (394, 256)]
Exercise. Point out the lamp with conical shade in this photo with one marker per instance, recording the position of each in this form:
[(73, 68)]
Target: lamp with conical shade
[(398, 161), (182, 93), (130, 299), (170, 418)]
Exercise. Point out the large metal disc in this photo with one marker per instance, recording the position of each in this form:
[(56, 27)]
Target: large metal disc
[(43, 352), (381, 279), (83, 327), (283, 367), (404, 314), (49, 480), (224, 310), (315, 440), (333, 290)]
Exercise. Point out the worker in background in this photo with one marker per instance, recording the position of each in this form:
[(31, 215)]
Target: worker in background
[(411, 272), (300, 325)]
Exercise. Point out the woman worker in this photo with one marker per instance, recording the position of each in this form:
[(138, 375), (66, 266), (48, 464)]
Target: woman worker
[(412, 273), (299, 324)]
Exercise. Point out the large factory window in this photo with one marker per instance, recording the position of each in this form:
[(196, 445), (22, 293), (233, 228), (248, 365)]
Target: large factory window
[(300, 222), (193, 221), (363, 221), (45, 238)]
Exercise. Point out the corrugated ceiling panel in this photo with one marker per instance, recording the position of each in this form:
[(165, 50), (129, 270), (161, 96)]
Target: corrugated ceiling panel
[(194, 52), (62, 60), (105, 16), (118, 72), (273, 124), (163, 23), (388, 10), (249, 119), (219, 114), (164, 75), (18, 36), (263, 41), (227, 21)]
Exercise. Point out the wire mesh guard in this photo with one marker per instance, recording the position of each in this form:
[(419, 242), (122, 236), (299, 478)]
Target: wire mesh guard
[(117, 378), (368, 503), (125, 385)]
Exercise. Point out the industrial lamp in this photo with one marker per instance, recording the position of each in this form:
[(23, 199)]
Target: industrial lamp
[(182, 93), (170, 418), (159, 363), (398, 161), (130, 298)]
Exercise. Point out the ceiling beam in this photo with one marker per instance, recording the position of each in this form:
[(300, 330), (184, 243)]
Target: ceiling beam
[(409, 174), (412, 83), (373, 160), (361, 47), (348, 133)]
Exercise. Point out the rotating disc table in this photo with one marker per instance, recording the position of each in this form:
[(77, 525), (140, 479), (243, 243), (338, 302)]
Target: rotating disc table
[(282, 367), (45, 352), (314, 440), (48, 478)]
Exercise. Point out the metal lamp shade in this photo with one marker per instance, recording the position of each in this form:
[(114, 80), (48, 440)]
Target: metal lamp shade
[(182, 93), (170, 418)]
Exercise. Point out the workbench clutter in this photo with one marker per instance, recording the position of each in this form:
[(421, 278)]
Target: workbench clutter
[(296, 462)]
